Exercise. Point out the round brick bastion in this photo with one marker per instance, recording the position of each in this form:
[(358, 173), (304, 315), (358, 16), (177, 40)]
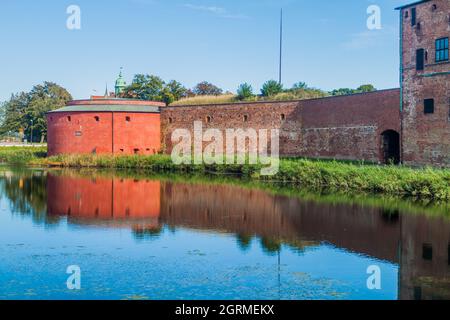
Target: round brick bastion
[(105, 126)]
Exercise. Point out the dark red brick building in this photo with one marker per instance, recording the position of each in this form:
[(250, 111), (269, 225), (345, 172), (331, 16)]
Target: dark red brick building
[(425, 82)]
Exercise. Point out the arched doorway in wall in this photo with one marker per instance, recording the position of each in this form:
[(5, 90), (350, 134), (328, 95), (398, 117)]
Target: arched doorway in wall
[(390, 140)]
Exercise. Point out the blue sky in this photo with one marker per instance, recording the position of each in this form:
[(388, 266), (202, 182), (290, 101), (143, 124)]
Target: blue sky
[(227, 42)]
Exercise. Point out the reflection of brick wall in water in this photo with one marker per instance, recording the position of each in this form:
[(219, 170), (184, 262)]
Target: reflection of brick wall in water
[(103, 198), (425, 267), (253, 212)]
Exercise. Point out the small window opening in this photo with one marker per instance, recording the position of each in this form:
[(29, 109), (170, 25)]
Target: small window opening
[(127, 119), (136, 151), (433, 7), (448, 259), (245, 118), (427, 252), (428, 106), (417, 293), (69, 118), (420, 59), (283, 117), (406, 14), (413, 16), (97, 119), (208, 119), (170, 120)]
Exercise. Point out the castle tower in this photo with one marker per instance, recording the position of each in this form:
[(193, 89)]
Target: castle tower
[(120, 84), (425, 82)]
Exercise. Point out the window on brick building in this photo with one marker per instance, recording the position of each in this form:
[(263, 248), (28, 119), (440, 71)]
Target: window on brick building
[(69, 118), (448, 254), (428, 106), (413, 16), (420, 59), (283, 117), (427, 252), (442, 49), (170, 120), (127, 119), (246, 118), (97, 119), (208, 119)]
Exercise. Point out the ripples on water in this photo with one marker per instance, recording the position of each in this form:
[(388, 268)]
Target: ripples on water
[(137, 238)]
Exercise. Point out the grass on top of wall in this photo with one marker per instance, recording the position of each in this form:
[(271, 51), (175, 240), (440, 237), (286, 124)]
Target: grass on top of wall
[(231, 98), (332, 176), (201, 100)]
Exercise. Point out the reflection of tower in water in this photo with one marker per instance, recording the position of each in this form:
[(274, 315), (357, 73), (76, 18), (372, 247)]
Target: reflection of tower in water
[(424, 258), (105, 201)]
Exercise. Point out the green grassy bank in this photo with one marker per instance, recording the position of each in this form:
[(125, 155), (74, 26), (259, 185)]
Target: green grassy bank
[(22, 155), (332, 176)]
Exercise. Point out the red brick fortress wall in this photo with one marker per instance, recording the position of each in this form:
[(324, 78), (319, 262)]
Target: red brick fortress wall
[(349, 127), (345, 127)]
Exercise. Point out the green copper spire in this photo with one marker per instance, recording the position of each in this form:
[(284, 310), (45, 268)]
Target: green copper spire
[(120, 84)]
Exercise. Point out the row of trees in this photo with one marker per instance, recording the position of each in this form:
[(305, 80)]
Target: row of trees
[(150, 87), (300, 90), (25, 111)]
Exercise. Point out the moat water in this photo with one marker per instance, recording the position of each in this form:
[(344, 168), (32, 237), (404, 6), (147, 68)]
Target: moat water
[(136, 237)]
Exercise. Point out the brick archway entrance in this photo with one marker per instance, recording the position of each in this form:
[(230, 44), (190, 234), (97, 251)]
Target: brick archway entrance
[(391, 147)]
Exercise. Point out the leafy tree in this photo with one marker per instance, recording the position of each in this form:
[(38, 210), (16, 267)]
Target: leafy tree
[(366, 88), (42, 99), (177, 90), (27, 110), (153, 88), (300, 85), (271, 88), (342, 92), (13, 113), (346, 91), (207, 89), (145, 87), (245, 91)]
